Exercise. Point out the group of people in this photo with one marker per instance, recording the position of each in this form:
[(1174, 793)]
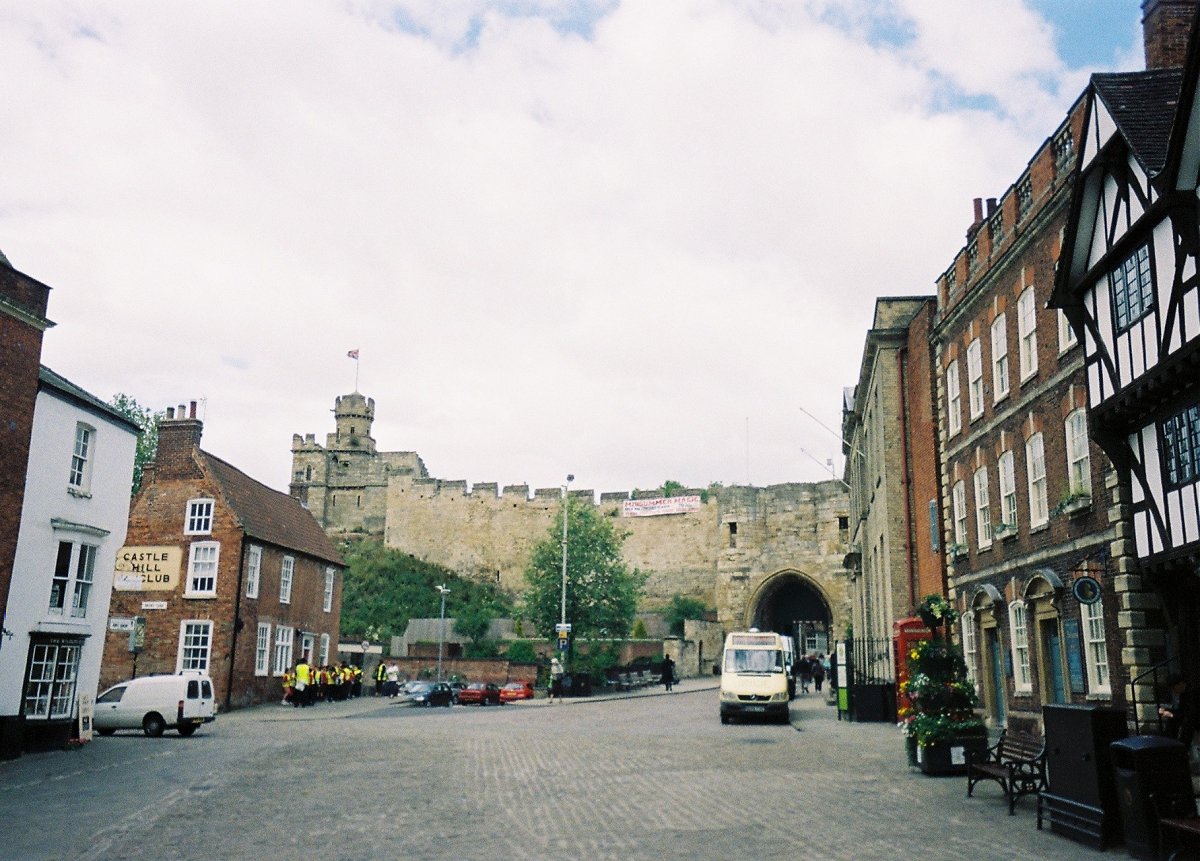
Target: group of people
[(809, 671), (388, 679), (308, 683)]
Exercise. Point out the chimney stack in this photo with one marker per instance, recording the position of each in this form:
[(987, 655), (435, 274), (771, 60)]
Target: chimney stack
[(178, 437), (1166, 26)]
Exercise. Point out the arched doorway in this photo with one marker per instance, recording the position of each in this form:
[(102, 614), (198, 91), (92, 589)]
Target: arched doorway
[(791, 604)]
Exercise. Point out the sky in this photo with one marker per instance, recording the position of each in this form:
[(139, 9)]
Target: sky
[(629, 241)]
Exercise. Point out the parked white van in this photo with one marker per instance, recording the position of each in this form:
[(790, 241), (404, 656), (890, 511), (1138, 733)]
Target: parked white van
[(153, 703)]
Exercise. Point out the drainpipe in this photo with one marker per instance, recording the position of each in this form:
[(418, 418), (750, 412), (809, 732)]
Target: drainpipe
[(901, 370), (237, 622)]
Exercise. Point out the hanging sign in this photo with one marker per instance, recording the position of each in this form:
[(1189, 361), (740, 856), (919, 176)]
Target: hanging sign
[(659, 505), (1086, 590), (147, 569)]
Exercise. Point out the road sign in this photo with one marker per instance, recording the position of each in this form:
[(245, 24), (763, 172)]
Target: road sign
[(563, 628), (563, 644)]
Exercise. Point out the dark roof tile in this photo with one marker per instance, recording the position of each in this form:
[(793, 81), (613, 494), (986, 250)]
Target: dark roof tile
[(1143, 106)]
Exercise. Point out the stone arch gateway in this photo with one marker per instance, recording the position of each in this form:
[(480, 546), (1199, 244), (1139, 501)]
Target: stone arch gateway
[(790, 602)]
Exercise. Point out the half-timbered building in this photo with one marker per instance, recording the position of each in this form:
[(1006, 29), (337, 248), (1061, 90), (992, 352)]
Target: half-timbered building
[(1127, 282)]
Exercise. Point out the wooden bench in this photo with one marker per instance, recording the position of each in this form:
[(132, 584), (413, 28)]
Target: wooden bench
[(1178, 820), (1017, 762)]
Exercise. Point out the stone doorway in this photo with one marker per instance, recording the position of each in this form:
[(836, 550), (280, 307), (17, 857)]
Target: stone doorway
[(791, 604)]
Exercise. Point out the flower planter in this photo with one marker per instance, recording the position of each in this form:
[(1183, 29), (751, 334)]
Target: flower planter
[(949, 757)]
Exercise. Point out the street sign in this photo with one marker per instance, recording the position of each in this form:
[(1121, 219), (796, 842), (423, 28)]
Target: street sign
[(563, 628), (563, 644)]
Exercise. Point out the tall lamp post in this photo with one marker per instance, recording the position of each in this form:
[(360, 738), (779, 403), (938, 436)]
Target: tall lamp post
[(563, 615), (442, 628)]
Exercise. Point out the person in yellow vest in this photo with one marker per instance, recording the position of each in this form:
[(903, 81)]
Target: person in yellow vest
[(380, 677), (356, 685), (303, 686), (289, 679)]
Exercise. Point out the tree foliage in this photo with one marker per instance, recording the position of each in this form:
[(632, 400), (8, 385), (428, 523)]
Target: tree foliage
[(384, 588), (602, 592), (681, 608), (147, 444)]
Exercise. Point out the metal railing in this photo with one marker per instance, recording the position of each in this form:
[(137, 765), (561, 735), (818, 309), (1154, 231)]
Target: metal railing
[(1146, 693)]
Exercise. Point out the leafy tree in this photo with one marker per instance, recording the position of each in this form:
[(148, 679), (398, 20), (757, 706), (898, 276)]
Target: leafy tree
[(679, 609), (602, 593), (639, 630), (672, 488), (147, 444), (522, 652), (384, 588)]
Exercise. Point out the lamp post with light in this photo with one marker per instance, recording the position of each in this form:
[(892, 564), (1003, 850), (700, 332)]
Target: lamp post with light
[(442, 628)]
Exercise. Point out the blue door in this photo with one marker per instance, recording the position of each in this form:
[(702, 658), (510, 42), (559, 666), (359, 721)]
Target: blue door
[(999, 689), (1050, 636)]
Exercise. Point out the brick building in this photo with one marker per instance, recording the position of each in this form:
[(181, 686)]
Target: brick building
[(893, 476), (1026, 494), (23, 303), (230, 576), (1129, 284)]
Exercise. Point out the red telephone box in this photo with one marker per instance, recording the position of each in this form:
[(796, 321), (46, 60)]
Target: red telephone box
[(905, 633)]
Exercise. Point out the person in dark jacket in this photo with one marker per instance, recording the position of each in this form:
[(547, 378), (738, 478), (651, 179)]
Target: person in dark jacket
[(668, 672), (1180, 713)]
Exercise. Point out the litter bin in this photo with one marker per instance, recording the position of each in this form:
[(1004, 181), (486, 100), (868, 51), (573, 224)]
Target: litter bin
[(1147, 765)]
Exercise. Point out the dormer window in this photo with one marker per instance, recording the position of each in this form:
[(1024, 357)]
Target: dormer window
[(199, 517)]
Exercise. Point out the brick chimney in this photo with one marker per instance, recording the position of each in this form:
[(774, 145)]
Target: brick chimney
[(1166, 26), (178, 436)]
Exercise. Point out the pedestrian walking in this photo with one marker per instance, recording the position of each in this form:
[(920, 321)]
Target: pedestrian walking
[(302, 689), (818, 671), (556, 679), (668, 672), (805, 673)]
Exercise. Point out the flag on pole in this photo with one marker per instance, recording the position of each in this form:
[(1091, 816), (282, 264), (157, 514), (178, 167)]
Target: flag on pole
[(353, 354)]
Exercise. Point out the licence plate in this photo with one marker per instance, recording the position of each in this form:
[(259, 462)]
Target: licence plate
[(756, 708)]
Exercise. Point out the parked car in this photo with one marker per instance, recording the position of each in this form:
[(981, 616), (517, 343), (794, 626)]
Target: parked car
[(407, 688), (153, 703), (456, 687), (514, 691), (431, 694), (480, 692)]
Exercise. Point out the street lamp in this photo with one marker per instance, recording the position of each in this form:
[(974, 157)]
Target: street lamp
[(563, 615), (442, 628)]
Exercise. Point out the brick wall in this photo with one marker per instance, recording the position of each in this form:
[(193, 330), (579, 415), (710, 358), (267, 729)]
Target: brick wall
[(23, 303), (1166, 25)]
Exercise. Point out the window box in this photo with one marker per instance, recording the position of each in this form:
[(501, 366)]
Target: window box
[(1073, 503), (1005, 531)]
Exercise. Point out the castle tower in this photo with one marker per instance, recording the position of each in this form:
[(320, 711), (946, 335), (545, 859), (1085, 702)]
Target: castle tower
[(353, 415)]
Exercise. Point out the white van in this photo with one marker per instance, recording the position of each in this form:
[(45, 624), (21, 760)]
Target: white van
[(754, 677), (153, 703)]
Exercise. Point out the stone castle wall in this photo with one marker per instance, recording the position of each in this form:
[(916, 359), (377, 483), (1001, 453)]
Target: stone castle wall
[(726, 554)]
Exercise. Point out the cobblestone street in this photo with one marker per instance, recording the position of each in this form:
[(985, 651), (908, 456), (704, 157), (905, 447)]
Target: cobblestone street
[(641, 777)]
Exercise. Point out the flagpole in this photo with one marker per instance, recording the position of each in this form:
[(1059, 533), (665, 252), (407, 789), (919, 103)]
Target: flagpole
[(353, 354)]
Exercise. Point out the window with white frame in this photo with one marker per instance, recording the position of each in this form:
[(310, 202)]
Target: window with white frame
[(1027, 333), (1035, 466), (50, 683), (324, 649), (953, 399), (286, 570), (284, 635), (1066, 333), (999, 358), (79, 479), (983, 509), (1008, 490), (195, 644), (327, 603), (1079, 460), (202, 568), (262, 649), (253, 568), (958, 498), (199, 517), (74, 573), (975, 378), (1019, 630), (1096, 648), (970, 648)]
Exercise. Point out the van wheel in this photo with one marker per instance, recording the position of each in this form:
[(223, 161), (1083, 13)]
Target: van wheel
[(106, 731), (186, 729), (153, 725)]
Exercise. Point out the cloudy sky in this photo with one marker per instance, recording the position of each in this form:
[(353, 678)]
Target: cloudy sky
[(634, 241)]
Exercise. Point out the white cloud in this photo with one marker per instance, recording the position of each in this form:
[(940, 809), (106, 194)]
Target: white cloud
[(595, 253)]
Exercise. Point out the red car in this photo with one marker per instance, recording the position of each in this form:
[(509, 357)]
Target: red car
[(479, 692), (514, 691)]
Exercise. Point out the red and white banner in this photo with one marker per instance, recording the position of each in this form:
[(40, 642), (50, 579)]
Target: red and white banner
[(660, 505)]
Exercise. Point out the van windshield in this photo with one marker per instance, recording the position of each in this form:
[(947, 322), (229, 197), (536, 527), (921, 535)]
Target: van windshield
[(753, 661)]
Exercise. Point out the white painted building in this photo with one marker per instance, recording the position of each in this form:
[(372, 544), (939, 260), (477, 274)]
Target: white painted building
[(72, 524)]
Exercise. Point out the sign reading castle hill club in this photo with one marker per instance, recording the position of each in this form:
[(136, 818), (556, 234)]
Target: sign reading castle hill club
[(662, 505), (147, 569)]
